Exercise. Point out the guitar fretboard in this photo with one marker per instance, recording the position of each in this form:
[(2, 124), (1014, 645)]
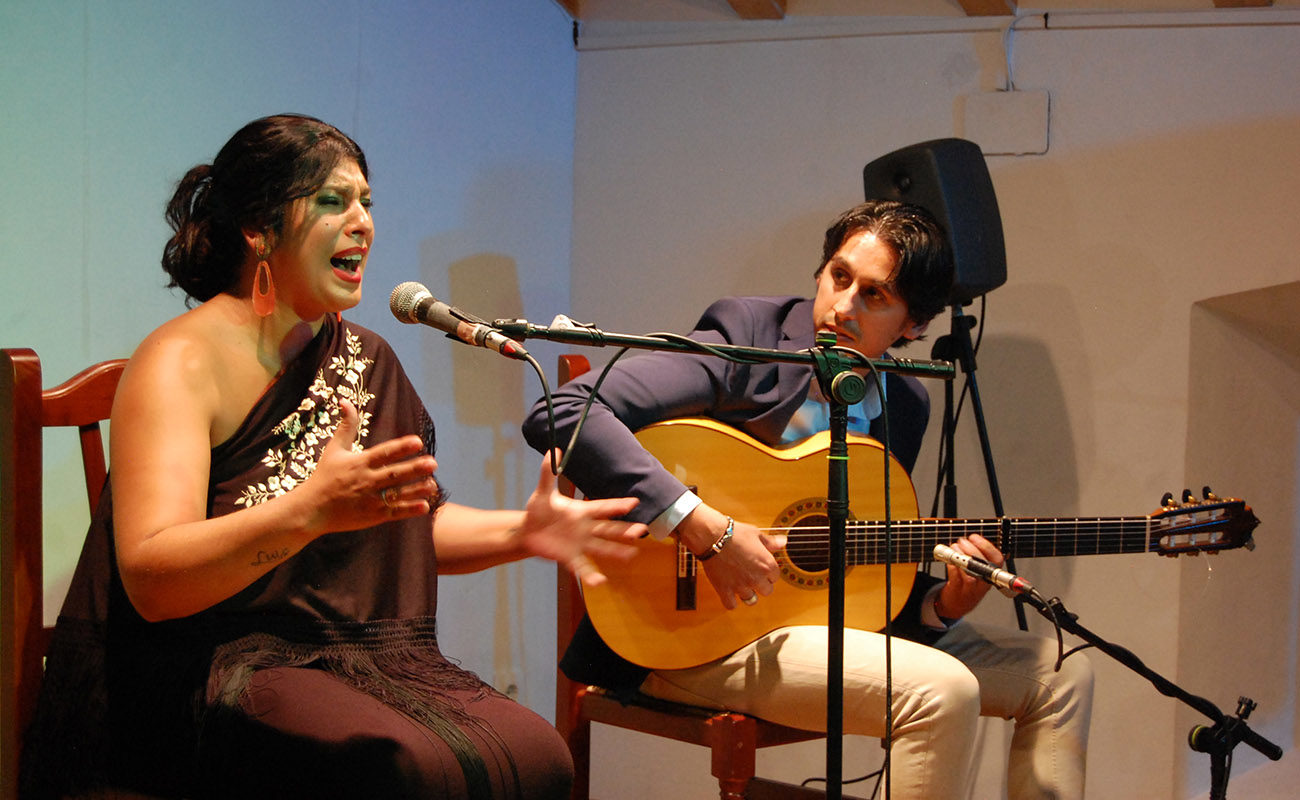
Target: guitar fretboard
[(914, 540)]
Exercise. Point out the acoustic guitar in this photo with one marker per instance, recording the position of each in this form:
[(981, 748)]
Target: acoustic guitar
[(658, 609)]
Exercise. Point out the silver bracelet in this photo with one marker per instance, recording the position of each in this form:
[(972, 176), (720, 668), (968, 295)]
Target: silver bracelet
[(721, 543)]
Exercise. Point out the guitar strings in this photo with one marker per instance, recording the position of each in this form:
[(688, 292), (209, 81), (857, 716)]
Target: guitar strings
[(1032, 536)]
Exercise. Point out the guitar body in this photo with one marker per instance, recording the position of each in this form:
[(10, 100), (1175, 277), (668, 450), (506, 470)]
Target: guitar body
[(659, 610), (645, 611)]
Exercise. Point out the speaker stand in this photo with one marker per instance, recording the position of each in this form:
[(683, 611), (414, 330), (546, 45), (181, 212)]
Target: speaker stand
[(956, 346)]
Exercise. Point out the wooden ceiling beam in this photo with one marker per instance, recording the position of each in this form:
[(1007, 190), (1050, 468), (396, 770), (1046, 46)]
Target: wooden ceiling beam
[(988, 8), (776, 9), (758, 9)]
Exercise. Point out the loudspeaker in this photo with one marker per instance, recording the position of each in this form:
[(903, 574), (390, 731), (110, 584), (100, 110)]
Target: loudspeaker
[(948, 178)]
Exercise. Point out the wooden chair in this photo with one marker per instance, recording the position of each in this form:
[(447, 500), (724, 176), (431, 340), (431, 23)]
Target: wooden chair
[(733, 738), (25, 411)]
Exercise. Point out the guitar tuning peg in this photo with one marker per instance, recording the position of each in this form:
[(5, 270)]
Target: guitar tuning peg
[(1208, 495), (1168, 500), (1188, 497)]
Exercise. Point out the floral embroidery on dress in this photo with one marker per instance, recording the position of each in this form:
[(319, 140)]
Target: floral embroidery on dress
[(310, 427)]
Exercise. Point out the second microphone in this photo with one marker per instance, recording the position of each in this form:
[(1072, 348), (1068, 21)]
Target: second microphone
[(412, 303)]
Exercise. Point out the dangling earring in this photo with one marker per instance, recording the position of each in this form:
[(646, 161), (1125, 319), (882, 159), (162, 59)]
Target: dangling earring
[(263, 286)]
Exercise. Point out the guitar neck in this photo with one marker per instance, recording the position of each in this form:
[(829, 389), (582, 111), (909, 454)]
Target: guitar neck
[(914, 539), (785, 488)]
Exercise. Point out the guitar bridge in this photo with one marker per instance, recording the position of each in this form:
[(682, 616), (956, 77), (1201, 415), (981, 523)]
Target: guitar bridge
[(686, 571)]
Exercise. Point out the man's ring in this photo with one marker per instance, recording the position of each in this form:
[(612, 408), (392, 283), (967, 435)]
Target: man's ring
[(389, 495), (749, 601)]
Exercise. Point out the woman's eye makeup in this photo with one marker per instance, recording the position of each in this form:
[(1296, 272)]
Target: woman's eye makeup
[(336, 199)]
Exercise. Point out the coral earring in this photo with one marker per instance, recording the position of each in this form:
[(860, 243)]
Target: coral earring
[(263, 290)]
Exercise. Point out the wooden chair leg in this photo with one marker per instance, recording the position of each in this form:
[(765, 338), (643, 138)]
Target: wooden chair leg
[(733, 741), (579, 740)]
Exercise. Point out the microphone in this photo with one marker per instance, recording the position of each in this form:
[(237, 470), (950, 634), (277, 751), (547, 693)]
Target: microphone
[(1008, 582), (411, 302)]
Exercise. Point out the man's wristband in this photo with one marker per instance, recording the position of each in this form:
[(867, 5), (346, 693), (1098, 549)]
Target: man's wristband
[(721, 543)]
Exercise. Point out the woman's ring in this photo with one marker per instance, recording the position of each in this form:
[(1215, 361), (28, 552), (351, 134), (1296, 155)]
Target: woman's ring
[(389, 495), (749, 601)]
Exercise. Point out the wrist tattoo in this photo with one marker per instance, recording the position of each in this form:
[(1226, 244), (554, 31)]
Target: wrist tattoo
[(265, 557)]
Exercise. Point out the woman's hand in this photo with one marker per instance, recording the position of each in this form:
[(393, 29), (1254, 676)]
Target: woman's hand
[(567, 530), (352, 490)]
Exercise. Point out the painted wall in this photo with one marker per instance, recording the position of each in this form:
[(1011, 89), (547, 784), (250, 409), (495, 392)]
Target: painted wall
[(707, 164)]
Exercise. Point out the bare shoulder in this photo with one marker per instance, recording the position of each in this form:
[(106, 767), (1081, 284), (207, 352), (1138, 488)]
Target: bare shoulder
[(183, 367), (181, 353)]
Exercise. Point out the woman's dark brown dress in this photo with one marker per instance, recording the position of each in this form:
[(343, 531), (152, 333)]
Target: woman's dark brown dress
[(321, 679)]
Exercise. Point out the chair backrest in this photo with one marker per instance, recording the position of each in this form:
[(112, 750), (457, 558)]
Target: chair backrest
[(569, 609), (26, 409)]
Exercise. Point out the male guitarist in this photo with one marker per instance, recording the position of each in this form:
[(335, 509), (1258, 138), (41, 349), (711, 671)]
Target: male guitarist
[(885, 273)]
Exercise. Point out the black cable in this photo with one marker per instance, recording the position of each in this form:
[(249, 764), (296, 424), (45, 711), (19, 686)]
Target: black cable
[(886, 768), (550, 410)]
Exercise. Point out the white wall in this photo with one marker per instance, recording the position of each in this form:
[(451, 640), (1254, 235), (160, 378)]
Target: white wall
[(465, 109), (705, 167)]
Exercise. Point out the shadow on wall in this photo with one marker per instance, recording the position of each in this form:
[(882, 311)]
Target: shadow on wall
[(1029, 426), (488, 392), (1034, 453)]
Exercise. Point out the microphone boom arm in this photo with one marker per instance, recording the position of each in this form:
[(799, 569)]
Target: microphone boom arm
[(1217, 740), (574, 333)]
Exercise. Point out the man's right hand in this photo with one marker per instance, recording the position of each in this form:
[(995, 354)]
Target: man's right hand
[(744, 568)]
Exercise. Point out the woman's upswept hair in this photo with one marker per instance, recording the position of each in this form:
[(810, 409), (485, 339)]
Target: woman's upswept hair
[(924, 274), (265, 166)]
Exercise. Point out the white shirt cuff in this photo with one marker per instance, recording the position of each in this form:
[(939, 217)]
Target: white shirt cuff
[(664, 524)]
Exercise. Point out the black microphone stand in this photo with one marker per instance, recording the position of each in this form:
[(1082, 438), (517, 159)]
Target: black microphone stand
[(1218, 740), (834, 369), (842, 387)]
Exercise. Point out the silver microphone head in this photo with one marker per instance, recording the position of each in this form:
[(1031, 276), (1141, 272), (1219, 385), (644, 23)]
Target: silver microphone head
[(405, 297)]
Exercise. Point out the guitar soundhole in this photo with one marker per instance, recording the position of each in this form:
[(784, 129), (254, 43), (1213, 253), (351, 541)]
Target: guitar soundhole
[(805, 561), (807, 549)]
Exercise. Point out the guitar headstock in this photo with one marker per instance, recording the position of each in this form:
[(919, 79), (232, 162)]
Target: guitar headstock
[(1207, 525)]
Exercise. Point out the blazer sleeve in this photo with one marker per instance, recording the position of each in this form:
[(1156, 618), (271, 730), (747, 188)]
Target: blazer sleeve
[(607, 460)]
